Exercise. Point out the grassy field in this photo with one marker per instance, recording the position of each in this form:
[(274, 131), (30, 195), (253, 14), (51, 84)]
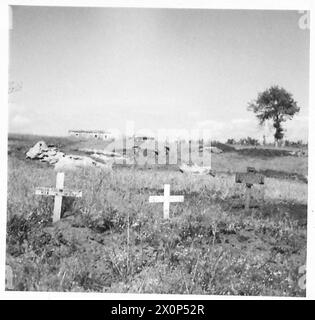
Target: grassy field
[(113, 240)]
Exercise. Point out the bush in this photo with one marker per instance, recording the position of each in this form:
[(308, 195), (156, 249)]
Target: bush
[(249, 141)]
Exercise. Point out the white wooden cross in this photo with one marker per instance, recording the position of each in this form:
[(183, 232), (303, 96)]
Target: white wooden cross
[(166, 199), (58, 193)]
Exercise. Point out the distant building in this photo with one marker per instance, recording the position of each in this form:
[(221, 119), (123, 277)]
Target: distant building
[(88, 134), (141, 138)]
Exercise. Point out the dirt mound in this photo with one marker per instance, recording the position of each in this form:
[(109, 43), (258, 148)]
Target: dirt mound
[(258, 152), (283, 175), (224, 147)]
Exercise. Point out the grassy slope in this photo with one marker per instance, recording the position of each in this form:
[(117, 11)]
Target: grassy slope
[(113, 240)]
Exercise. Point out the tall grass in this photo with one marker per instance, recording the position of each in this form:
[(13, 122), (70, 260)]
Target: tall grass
[(114, 240)]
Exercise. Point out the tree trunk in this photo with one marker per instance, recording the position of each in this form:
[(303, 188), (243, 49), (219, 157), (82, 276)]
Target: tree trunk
[(279, 131)]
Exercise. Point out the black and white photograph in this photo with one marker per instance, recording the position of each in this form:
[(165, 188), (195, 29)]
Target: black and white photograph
[(157, 150)]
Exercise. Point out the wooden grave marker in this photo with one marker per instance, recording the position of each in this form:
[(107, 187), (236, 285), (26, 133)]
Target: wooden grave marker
[(166, 199), (250, 178), (58, 193)]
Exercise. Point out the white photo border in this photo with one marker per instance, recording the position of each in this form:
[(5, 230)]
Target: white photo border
[(308, 5)]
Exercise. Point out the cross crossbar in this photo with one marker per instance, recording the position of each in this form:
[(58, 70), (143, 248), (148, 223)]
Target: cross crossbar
[(249, 178), (57, 192), (166, 199)]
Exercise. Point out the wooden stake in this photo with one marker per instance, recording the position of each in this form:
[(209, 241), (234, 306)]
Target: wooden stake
[(248, 193), (124, 149), (166, 204), (156, 153), (201, 151), (179, 151), (167, 154), (189, 151), (58, 199)]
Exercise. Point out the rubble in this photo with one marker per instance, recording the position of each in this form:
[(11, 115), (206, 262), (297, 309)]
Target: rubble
[(213, 149), (195, 169), (298, 153), (37, 151), (72, 162), (50, 154), (101, 152)]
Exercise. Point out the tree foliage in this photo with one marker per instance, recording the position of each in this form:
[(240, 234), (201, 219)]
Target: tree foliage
[(274, 104)]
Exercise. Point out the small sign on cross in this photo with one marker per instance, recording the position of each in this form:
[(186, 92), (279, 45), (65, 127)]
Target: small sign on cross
[(250, 178), (58, 193), (166, 199)]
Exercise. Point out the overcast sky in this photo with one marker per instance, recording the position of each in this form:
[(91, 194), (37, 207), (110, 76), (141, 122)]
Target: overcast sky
[(96, 68)]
